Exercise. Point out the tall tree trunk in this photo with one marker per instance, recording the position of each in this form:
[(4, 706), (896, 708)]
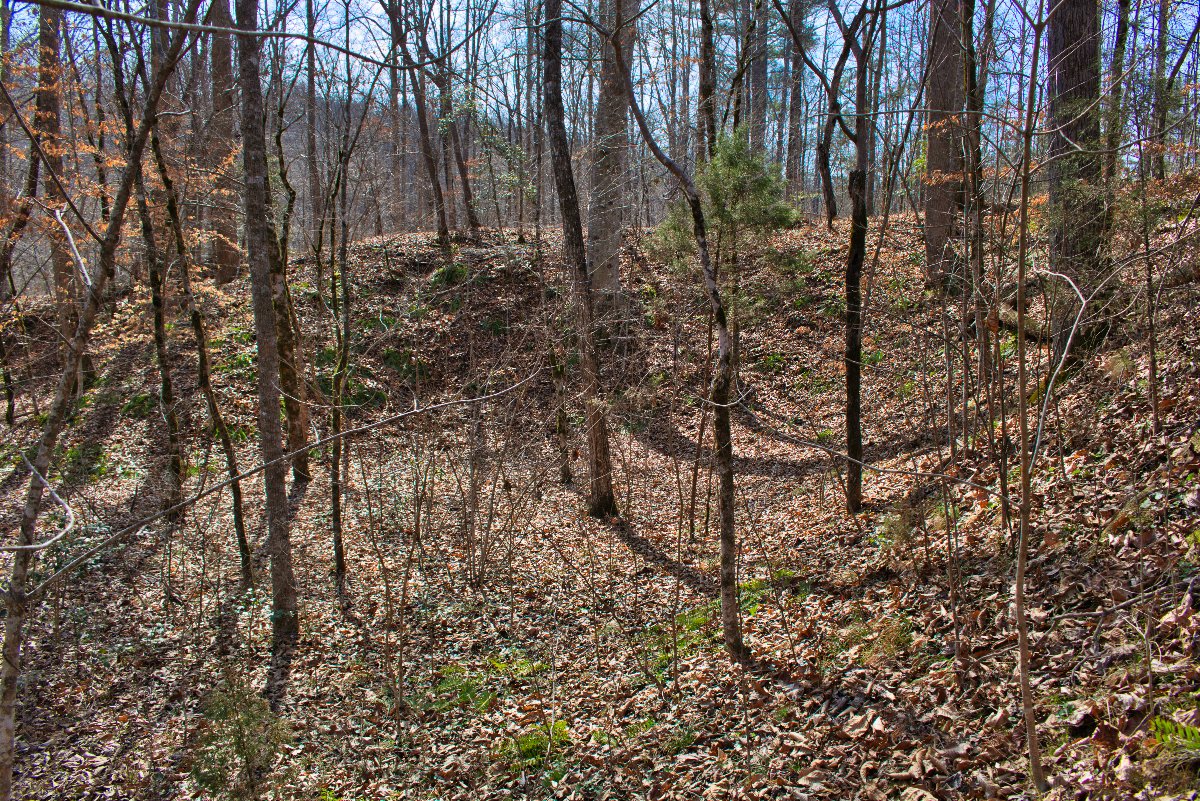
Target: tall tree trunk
[(757, 42), (854, 267), (1078, 212), (428, 153), (944, 141), (706, 107), (1115, 118), (450, 121), (49, 127), (1162, 91), (608, 200), (316, 199), (796, 121), (266, 292), (226, 256), (12, 238), (601, 500)]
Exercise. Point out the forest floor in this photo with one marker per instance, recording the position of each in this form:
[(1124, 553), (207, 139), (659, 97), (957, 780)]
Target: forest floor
[(495, 642)]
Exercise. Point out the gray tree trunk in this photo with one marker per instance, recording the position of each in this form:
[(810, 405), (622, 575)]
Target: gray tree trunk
[(266, 290), (607, 205)]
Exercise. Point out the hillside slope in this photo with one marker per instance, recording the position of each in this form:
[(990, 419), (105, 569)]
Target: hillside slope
[(495, 642)]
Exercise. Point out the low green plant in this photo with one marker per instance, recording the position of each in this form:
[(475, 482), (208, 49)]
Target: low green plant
[(1175, 736), (771, 363), (449, 275), (239, 748), (537, 748), (140, 405), (459, 688), (239, 365)]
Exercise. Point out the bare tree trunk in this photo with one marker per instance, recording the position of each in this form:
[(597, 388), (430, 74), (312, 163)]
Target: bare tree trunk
[(1078, 212), (48, 126), (944, 141), (1161, 96), (854, 267), (757, 43), (796, 122), (706, 139), (12, 238), (428, 153), (1036, 771), (267, 292), (291, 369), (226, 256), (1115, 121), (316, 199), (460, 159), (608, 200), (155, 270), (601, 501)]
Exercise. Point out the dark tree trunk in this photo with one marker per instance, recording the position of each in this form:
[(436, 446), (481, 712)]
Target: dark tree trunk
[(601, 501), (155, 270), (944, 94), (706, 140), (1078, 212), (1116, 86), (204, 365)]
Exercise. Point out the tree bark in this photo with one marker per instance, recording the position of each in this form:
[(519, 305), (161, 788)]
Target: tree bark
[(1077, 209), (47, 123), (944, 94), (266, 292), (601, 501), (1115, 119), (706, 140), (608, 200), (166, 399), (226, 256)]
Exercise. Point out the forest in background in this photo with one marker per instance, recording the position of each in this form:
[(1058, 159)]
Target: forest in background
[(618, 400)]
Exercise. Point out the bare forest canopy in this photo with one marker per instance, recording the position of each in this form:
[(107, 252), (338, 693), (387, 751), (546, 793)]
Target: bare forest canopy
[(600, 400)]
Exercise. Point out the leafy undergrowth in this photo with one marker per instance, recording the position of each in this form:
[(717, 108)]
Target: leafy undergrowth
[(498, 643)]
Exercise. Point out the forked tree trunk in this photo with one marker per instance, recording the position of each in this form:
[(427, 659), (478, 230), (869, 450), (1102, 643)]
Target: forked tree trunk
[(166, 393), (204, 364)]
